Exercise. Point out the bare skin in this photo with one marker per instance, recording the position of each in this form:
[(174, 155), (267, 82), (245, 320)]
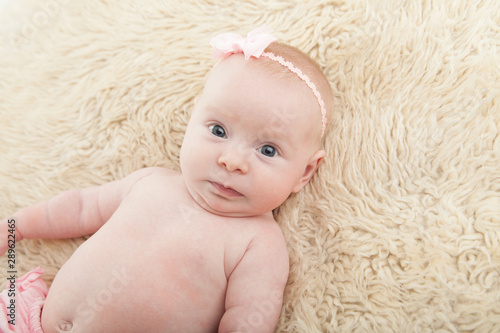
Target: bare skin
[(139, 266), (197, 251)]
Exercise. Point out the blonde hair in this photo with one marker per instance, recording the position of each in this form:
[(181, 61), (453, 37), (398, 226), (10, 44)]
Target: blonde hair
[(307, 65)]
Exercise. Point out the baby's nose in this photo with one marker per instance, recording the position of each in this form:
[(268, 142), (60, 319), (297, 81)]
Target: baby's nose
[(234, 160)]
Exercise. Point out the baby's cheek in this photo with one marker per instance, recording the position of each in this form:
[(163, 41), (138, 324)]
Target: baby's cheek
[(274, 195), (187, 157)]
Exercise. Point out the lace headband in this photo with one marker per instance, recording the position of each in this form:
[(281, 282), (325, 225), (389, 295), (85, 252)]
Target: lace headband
[(253, 46)]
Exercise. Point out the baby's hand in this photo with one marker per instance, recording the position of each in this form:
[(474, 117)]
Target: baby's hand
[(7, 235)]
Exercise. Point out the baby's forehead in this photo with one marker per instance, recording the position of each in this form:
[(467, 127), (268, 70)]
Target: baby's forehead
[(236, 69), (298, 102)]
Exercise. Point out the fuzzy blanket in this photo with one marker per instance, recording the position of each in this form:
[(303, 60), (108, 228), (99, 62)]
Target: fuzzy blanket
[(400, 229)]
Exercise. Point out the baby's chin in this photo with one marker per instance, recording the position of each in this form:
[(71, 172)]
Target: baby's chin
[(235, 214), (228, 211), (227, 208)]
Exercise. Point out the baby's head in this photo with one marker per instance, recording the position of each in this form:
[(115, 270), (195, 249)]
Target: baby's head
[(254, 136)]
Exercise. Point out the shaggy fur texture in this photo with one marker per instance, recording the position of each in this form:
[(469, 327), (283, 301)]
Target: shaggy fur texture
[(400, 229)]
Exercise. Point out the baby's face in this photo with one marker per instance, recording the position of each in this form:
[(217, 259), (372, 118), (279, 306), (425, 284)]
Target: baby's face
[(251, 140)]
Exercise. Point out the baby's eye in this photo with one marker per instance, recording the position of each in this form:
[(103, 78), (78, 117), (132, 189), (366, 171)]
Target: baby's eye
[(217, 130), (268, 151)]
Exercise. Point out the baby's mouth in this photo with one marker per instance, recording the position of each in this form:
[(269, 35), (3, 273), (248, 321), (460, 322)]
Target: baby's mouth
[(225, 191)]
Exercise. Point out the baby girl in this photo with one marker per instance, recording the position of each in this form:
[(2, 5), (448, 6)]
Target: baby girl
[(197, 251)]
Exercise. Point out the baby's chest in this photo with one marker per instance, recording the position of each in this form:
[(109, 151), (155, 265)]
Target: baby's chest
[(185, 258), (179, 236)]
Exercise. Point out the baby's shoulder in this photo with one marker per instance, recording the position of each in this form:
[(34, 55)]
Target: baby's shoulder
[(266, 228), (269, 243), (154, 173), (150, 176)]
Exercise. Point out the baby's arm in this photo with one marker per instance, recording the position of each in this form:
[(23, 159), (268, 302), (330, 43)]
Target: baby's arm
[(72, 213), (254, 293)]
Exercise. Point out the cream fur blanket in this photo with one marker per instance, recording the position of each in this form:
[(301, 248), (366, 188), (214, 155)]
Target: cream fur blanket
[(400, 229)]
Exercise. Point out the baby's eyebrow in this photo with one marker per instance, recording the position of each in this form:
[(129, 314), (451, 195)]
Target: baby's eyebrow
[(224, 112), (280, 139)]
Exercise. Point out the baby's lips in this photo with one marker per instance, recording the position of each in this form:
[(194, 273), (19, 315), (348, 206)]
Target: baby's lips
[(226, 190)]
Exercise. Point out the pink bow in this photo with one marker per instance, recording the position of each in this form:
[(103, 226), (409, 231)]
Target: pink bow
[(252, 46)]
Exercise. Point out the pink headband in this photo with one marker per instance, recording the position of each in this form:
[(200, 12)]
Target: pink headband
[(253, 46)]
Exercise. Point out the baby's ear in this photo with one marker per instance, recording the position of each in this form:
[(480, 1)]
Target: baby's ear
[(311, 168)]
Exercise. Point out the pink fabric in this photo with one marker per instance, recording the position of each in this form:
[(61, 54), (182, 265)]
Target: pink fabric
[(30, 292), (253, 46)]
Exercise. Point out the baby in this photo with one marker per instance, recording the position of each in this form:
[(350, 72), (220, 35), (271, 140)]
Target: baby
[(197, 251)]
